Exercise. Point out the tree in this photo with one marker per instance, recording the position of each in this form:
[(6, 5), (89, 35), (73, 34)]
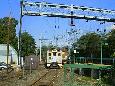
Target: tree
[(28, 45), (44, 49), (10, 23), (88, 45), (93, 45), (111, 42)]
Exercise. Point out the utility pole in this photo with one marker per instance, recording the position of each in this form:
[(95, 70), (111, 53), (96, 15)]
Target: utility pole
[(20, 31), (41, 46), (8, 35), (8, 41), (101, 51), (101, 46), (102, 35), (40, 49)]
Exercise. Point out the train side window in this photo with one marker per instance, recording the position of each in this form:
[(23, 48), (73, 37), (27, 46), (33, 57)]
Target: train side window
[(59, 54), (49, 54), (54, 53)]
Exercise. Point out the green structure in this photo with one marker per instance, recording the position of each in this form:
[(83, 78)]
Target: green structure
[(72, 67)]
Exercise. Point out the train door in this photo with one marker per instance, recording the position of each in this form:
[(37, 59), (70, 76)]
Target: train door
[(54, 57)]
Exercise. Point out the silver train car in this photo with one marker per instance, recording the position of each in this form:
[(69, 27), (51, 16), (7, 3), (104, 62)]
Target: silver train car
[(54, 58)]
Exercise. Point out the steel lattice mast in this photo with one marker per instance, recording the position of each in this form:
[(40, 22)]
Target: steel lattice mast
[(63, 11)]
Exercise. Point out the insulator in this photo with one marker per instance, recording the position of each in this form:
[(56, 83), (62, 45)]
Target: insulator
[(58, 26), (72, 21), (86, 20), (55, 26), (71, 12), (100, 23), (97, 29), (104, 30)]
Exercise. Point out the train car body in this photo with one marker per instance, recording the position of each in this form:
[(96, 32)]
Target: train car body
[(54, 58)]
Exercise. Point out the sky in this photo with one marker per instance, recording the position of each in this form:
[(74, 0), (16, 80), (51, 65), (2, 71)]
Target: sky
[(39, 26)]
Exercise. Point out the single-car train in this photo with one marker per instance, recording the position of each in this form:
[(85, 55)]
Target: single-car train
[(56, 58)]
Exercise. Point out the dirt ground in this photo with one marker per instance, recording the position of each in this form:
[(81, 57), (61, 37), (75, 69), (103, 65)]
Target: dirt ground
[(27, 77), (24, 77)]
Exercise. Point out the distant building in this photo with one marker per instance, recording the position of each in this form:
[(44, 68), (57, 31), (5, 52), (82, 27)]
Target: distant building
[(13, 56)]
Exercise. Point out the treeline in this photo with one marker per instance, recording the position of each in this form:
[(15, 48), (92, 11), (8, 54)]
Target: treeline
[(27, 41), (91, 44)]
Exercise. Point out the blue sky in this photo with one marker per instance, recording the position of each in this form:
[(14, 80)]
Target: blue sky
[(46, 26)]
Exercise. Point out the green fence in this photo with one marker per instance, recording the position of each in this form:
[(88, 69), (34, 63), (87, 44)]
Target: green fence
[(73, 79)]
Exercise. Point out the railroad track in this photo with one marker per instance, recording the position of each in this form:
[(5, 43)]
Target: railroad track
[(48, 78), (4, 74)]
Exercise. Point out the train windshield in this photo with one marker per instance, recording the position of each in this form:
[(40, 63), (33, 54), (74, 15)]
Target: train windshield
[(59, 54), (49, 54), (54, 53)]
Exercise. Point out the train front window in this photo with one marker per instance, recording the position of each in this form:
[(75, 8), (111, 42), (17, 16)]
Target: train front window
[(59, 54), (54, 53), (49, 54)]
